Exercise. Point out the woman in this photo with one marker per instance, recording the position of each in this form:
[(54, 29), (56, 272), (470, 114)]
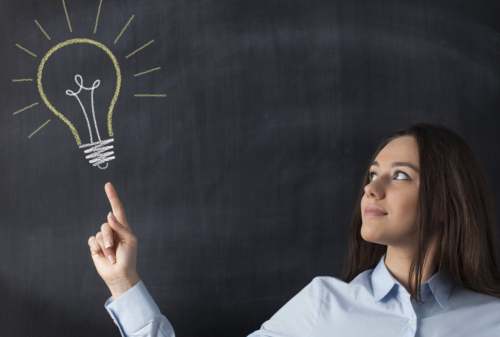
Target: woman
[(421, 258)]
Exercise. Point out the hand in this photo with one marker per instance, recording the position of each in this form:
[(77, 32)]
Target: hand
[(114, 248)]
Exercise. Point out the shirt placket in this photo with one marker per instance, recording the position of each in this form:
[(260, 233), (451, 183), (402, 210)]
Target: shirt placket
[(410, 315)]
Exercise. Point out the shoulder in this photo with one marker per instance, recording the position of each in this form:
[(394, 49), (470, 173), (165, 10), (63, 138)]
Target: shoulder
[(302, 311), (319, 298), (328, 289), (478, 309), (462, 297), (327, 284), (320, 290)]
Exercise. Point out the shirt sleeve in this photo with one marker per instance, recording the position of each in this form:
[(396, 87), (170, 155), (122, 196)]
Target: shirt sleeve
[(297, 317), (136, 314)]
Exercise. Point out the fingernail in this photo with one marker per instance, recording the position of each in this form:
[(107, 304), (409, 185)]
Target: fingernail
[(111, 259), (108, 244), (111, 216)]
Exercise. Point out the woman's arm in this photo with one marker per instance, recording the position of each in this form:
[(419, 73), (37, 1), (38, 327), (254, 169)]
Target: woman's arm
[(133, 310), (114, 253)]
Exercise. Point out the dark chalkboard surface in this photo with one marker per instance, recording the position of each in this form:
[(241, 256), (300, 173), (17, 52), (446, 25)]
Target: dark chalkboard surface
[(240, 181)]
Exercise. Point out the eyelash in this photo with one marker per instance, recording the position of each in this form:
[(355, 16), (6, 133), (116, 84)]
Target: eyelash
[(370, 175)]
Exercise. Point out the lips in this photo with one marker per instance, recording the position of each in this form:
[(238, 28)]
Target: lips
[(374, 210)]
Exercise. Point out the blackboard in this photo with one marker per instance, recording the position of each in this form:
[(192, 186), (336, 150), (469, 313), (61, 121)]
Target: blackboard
[(240, 178)]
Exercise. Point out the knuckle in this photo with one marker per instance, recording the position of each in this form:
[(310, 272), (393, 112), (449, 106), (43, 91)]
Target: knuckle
[(91, 241), (100, 242), (93, 247)]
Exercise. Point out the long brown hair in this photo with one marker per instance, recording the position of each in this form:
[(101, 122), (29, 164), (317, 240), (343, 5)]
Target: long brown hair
[(454, 203)]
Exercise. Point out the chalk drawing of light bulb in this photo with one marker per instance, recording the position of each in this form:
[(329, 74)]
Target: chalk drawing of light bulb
[(98, 151), (93, 96)]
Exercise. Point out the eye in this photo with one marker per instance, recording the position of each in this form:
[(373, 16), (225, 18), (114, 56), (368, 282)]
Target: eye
[(397, 173), (407, 177)]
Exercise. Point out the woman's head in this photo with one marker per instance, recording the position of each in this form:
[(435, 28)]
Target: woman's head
[(393, 187), (444, 196)]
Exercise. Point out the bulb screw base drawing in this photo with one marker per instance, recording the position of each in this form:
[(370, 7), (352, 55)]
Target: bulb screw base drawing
[(99, 153)]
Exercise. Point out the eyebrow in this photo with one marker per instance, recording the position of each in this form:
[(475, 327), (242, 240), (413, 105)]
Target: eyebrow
[(399, 163)]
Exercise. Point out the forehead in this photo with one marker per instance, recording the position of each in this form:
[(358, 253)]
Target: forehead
[(404, 148)]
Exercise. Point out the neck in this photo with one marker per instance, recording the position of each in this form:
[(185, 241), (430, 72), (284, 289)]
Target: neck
[(398, 261)]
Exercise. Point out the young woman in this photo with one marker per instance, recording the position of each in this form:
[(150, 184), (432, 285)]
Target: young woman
[(421, 259)]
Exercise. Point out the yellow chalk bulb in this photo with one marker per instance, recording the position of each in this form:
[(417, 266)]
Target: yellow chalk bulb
[(100, 151)]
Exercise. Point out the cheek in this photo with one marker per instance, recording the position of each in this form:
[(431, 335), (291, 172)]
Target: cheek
[(404, 210), (399, 225)]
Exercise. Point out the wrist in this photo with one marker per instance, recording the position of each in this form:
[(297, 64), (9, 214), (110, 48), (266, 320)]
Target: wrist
[(119, 287)]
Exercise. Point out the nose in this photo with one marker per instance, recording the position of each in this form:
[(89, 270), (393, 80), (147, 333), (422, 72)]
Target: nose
[(373, 189)]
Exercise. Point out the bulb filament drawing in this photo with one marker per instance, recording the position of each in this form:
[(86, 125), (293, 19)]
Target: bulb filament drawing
[(98, 152)]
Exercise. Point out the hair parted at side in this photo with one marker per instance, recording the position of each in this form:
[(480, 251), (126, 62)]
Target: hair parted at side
[(454, 203)]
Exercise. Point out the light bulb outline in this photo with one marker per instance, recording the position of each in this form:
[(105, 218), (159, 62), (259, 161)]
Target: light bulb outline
[(41, 91), (100, 152)]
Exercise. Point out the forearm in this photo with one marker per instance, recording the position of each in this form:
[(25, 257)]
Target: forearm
[(136, 314), (122, 285)]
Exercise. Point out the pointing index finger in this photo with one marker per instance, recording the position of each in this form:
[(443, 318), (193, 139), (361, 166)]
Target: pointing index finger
[(116, 204)]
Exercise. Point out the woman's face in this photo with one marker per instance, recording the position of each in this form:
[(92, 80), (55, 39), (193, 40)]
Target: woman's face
[(393, 187)]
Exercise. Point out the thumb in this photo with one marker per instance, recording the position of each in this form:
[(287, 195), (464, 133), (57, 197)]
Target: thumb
[(122, 231)]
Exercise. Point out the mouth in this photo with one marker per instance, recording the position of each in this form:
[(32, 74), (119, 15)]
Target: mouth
[(374, 213)]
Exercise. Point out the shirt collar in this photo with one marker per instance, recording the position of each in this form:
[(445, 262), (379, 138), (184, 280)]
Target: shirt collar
[(383, 282)]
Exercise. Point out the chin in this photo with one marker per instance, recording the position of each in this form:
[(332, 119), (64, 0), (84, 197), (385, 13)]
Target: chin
[(370, 235)]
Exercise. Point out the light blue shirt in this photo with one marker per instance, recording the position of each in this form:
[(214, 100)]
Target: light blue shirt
[(373, 304)]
